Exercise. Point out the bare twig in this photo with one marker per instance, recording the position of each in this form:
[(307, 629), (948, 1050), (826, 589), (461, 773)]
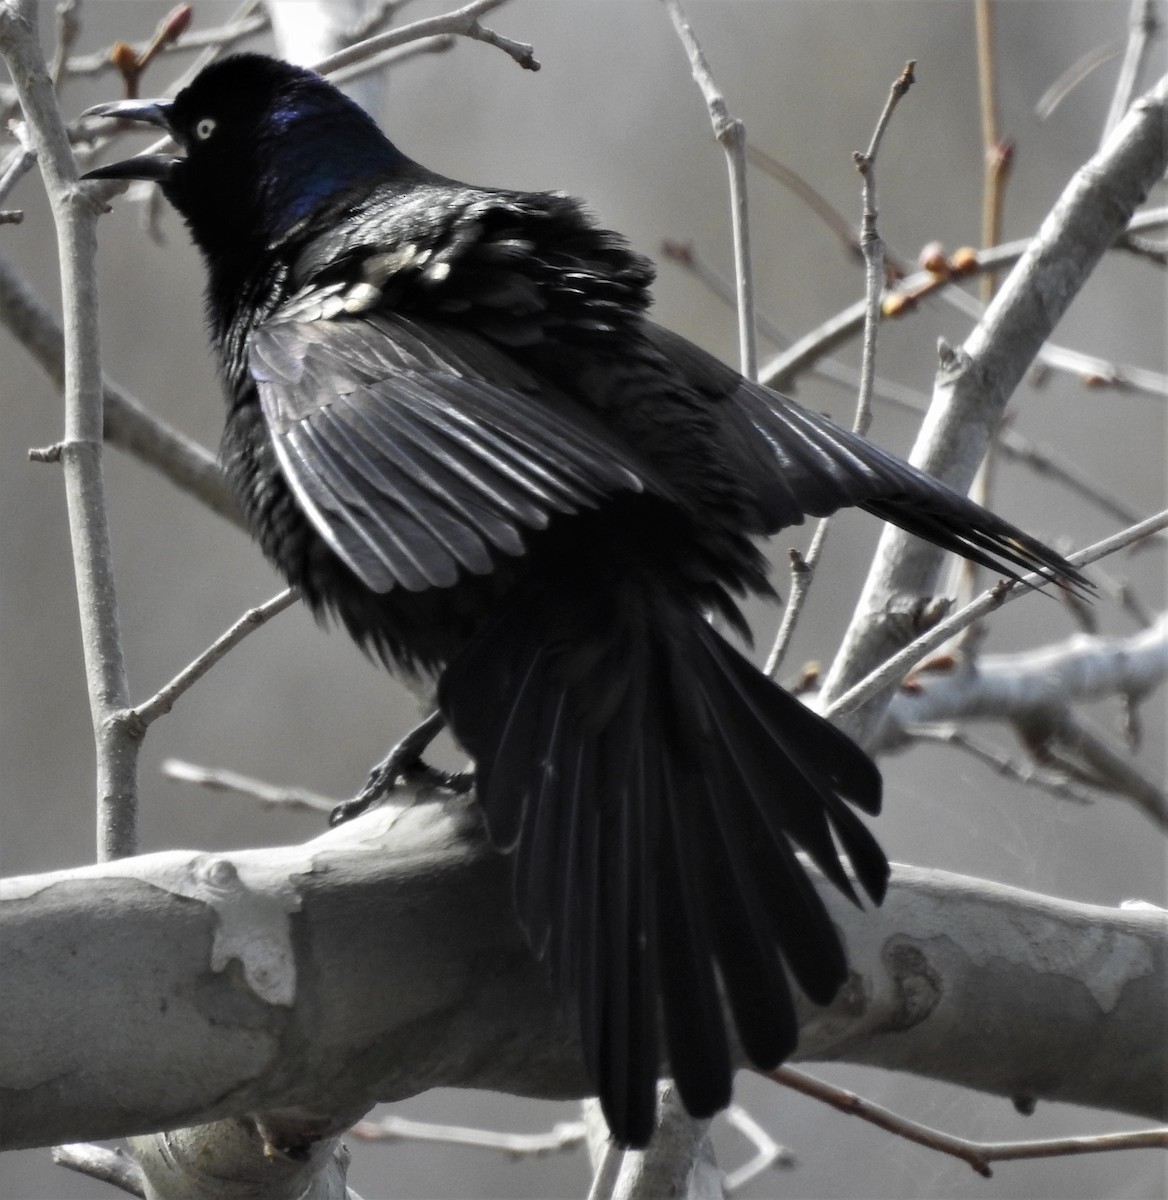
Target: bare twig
[(1125, 596), (998, 152), (111, 1166), (781, 371), (978, 1155), (373, 17), (1089, 369), (896, 667), (1052, 782), (76, 218), (127, 424), (1143, 26), (19, 162), (873, 250), (144, 714), (768, 1152), (1146, 248), (217, 779), (976, 382), (1095, 762), (560, 1139), (802, 569), (605, 1176), (463, 22), (687, 257), (132, 64), (1045, 460), (731, 133), (394, 57), (997, 159), (222, 37), (819, 204), (68, 26)]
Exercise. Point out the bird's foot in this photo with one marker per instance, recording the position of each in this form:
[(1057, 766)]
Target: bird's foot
[(404, 762)]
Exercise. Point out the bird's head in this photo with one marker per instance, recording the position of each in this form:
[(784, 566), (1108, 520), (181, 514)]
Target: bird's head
[(266, 144)]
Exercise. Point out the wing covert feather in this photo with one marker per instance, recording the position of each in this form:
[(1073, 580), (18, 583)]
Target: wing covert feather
[(418, 452)]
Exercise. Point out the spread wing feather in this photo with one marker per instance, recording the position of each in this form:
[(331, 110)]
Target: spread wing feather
[(799, 463), (418, 453)]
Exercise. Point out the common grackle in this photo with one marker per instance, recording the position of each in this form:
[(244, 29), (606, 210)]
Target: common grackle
[(451, 424)]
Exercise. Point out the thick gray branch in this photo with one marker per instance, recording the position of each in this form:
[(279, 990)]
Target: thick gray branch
[(383, 959), (1035, 690), (1083, 668), (976, 381)]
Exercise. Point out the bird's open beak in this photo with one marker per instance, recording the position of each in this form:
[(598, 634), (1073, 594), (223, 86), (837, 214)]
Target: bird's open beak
[(155, 167)]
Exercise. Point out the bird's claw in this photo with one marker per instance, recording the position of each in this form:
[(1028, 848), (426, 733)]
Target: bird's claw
[(404, 763)]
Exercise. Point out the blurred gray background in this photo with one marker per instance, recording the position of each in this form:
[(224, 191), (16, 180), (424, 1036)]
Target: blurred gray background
[(613, 116)]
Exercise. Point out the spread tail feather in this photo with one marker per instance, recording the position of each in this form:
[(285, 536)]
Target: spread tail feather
[(651, 785)]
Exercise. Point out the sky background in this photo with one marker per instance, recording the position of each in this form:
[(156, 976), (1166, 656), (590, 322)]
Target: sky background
[(614, 117)]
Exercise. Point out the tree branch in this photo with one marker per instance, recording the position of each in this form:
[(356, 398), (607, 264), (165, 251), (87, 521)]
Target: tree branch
[(873, 251), (462, 22), (162, 701), (180, 988), (977, 381), (978, 1155), (783, 370), (1143, 25), (1008, 687), (893, 669), (128, 424), (731, 134), (75, 218), (114, 1167), (1034, 692)]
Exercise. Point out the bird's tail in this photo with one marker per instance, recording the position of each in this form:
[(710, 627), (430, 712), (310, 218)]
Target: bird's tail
[(652, 786)]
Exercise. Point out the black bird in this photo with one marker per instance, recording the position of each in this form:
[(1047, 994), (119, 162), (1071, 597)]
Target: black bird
[(451, 424)]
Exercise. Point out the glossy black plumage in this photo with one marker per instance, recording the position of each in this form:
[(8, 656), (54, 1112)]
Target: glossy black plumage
[(452, 425)]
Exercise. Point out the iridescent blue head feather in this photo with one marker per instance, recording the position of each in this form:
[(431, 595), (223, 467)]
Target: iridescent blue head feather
[(267, 144)]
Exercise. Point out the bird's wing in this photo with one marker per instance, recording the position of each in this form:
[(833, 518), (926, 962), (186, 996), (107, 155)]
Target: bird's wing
[(800, 463), (418, 452)]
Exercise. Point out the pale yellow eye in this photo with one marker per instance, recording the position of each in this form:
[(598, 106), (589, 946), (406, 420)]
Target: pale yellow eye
[(204, 129)]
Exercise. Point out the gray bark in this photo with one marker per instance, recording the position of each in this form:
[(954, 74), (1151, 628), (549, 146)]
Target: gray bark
[(306, 983)]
